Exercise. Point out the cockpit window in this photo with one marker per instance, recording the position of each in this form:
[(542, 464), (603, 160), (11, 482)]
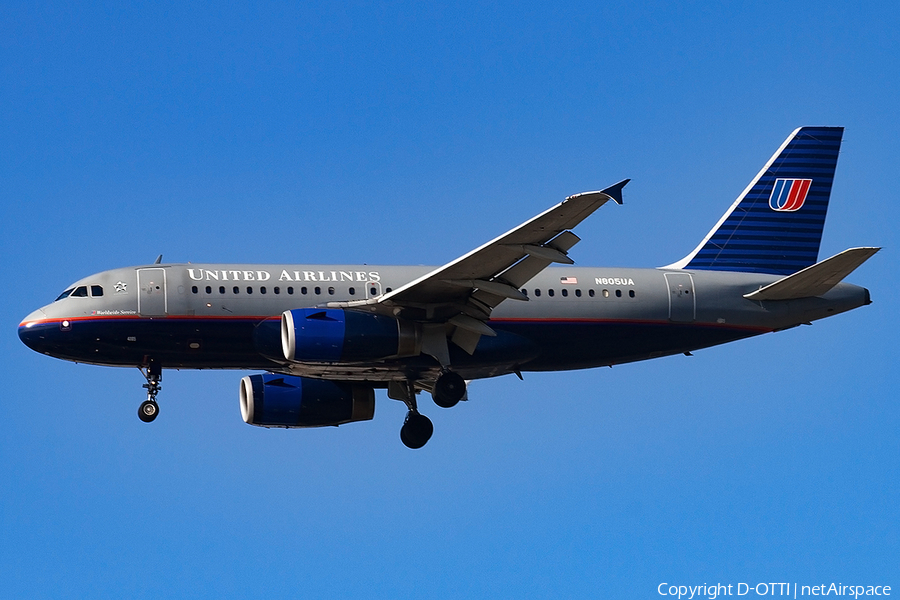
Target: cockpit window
[(82, 292)]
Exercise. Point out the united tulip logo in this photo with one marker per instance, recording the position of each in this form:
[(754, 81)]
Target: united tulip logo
[(788, 195)]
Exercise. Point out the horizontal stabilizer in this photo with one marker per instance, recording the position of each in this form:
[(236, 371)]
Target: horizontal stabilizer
[(815, 280)]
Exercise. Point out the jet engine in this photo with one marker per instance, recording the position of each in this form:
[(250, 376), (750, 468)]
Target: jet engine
[(338, 335), (286, 401)]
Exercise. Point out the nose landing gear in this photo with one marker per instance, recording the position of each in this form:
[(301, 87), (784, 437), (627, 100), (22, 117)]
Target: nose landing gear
[(149, 409)]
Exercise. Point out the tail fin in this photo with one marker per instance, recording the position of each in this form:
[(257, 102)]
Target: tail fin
[(775, 225)]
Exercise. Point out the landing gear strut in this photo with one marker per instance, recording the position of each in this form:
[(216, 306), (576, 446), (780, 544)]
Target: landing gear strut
[(417, 428), (149, 409)]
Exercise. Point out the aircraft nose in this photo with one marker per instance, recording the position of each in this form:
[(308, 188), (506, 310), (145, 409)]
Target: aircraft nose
[(37, 315), (30, 330)]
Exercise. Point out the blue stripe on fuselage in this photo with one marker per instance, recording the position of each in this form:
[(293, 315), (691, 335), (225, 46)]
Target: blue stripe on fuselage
[(244, 342)]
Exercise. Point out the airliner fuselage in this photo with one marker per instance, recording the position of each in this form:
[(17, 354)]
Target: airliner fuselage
[(199, 316), (329, 335)]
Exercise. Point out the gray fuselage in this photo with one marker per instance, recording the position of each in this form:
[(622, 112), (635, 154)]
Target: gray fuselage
[(227, 316)]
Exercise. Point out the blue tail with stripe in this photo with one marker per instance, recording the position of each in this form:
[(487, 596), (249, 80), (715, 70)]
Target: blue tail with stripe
[(776, 225)]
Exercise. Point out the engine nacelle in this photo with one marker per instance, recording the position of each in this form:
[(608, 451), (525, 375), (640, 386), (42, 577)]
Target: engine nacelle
[(285, 401), (333, 335)]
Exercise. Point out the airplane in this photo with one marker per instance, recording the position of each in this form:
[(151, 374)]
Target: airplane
[(327, 336)]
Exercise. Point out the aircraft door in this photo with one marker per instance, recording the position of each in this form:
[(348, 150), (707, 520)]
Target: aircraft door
[(152, 292), (682, 304)]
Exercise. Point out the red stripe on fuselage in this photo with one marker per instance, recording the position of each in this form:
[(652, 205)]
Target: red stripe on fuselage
[(510, 320), (629, 322), (140, 318)]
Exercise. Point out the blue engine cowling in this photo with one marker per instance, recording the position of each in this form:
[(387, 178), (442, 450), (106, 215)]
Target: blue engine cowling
[(334, 335), (285, 401)]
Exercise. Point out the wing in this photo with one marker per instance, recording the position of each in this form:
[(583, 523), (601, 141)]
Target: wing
[(458, 297)]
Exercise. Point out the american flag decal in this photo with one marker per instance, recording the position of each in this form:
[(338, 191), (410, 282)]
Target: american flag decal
[(788, 195), (568, 280)]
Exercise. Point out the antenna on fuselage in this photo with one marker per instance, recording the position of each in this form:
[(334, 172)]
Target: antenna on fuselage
[(158, 260)]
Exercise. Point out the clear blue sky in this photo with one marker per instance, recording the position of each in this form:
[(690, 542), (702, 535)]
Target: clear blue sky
[(409, 133)]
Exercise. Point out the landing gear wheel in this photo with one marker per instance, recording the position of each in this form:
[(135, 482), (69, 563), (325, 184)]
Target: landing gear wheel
[(448, 390), (149, 408), (148, 411), (416, 430)]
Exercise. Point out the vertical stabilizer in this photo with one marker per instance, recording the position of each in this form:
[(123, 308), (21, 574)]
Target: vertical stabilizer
[(775, 225)]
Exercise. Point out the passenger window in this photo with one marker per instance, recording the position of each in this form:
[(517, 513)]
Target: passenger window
[(537, 292), (262, 290), (578, 293), (631, 293), (524, 291), (249, 289), (194, 289), (331, 291), (303, 290), (565, 292), (591, 293), (236, 290), (550, 292), (373, 291), (96, 291), (209, 289), (291, 290), (352, 291), (388, 290), (65, 294), (606, 293), (221, 289), (80, 292), (618, 293), (318, 291), (276, 289)]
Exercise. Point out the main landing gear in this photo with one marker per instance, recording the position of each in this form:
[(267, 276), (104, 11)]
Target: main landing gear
[(416, 430), (448, 390), (149, 409)]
